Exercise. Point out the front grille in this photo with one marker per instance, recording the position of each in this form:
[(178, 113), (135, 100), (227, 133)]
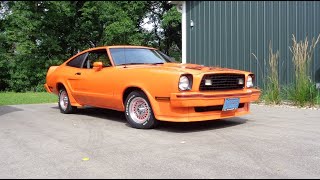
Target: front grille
[(222, 82), (213, 108)]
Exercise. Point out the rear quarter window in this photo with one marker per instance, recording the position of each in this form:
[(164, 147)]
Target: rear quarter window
[(77, 61)]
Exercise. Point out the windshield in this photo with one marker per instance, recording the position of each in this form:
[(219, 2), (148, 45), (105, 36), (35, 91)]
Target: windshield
[(122, 56)]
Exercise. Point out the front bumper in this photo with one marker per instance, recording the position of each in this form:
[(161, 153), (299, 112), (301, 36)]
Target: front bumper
[(181, 107), (211, 99)]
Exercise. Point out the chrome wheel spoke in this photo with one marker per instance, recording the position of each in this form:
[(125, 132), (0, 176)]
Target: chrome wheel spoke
[(139, 110), (64, 101)]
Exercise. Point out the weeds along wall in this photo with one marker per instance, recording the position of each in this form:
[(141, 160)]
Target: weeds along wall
[(227, 34)]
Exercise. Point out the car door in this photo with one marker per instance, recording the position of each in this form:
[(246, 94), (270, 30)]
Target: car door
[(73, 75), (97, 86)]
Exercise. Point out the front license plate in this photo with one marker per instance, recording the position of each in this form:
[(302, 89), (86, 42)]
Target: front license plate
[(231, 104)]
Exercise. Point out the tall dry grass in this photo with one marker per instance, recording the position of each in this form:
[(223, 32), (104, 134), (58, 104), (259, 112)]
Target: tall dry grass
[(303, 92), (262, 76), (272, 94)]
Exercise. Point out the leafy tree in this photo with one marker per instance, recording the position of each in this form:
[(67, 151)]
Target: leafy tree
[(4, 75), (167, 26), (171, 24), (4, 47), (35, 35)]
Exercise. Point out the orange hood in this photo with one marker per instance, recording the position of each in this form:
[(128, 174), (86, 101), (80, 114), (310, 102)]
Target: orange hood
[(188, 68)]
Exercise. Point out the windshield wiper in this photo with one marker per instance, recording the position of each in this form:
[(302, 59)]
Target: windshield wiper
[(157, 63), (130, 64), (141, 63)]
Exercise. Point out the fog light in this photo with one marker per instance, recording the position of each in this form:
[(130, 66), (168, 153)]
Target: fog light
[(208, 82)]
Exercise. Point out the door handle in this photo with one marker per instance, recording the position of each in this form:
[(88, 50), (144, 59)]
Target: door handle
[(78, 73)]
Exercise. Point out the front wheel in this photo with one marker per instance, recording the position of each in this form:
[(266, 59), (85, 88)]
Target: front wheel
[(138, 111), (64, 103)]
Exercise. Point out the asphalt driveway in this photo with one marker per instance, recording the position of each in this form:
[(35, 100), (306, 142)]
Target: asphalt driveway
[(37, 141)]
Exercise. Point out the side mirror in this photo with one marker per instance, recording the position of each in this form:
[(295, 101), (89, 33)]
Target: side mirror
[(97, 66)]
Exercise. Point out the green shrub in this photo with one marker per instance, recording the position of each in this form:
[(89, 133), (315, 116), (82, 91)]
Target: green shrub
[(318, 97), (303, 94)]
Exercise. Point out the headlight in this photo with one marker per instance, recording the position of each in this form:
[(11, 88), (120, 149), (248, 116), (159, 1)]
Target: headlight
[(185, 83), (250, 81)]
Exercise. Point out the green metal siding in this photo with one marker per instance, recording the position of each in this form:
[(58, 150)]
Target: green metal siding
[(225, 33)]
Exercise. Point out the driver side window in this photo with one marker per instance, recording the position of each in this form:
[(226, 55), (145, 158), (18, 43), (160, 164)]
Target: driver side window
[(97, 56)]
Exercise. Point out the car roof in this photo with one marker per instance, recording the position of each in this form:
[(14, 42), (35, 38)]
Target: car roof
[(120, 46), (104, 47)]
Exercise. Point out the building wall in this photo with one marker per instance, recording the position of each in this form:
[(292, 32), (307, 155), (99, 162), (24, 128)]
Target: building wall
[(226, 33)]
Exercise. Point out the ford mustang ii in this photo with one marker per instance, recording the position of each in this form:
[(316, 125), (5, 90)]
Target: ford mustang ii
[(148, 86)]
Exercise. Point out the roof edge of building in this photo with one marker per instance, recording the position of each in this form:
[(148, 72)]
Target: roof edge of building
[(176, 2)]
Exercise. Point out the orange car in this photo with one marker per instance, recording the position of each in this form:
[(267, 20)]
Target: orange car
[(149, 86)]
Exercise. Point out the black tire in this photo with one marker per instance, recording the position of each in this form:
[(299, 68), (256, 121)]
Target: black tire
[(132, 118), (68, 109)]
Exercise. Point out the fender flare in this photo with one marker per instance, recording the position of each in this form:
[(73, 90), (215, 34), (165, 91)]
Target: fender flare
[(73, 101), (154, 104)]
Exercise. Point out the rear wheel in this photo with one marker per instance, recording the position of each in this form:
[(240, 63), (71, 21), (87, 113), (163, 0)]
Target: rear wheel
[(138, 111), (64, 102)]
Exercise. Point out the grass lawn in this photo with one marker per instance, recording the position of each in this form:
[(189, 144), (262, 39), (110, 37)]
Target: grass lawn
[(10, 98)]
